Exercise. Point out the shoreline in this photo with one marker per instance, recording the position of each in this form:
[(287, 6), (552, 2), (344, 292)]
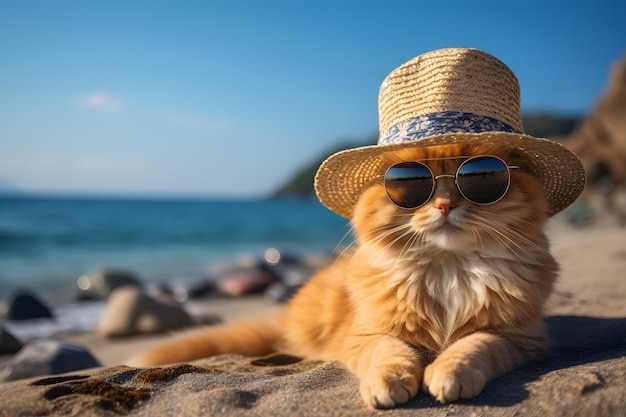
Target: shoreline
[(76, 320)]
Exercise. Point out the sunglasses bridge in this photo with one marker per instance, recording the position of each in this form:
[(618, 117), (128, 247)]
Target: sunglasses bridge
[(454, 177)]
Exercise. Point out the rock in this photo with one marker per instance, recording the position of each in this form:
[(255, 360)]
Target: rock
[(100, 284), (245, 281), (291, 281), (130, 312), (600, 141), (293, 272), (185, 290), (280, 293), (25, 306), (8, 343), (47, 357)]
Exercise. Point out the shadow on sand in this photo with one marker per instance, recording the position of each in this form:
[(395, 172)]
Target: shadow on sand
[(575, 341)]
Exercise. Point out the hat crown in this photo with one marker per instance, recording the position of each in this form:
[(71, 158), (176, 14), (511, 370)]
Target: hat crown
[(465, 81)]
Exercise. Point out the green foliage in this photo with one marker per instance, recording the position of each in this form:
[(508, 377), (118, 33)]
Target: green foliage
[(546, 125), (301, 185)]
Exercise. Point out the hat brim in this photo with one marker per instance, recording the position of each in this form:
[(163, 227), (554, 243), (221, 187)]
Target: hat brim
[(343, 176)]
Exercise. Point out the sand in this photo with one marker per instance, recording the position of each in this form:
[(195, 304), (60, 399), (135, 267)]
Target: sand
[(584, 376)]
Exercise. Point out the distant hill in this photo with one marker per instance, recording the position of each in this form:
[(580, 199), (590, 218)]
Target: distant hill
[(546, 125), (301, 184), (543, 125)]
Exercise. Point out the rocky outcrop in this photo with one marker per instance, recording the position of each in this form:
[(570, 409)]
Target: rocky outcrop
[(600, 139)]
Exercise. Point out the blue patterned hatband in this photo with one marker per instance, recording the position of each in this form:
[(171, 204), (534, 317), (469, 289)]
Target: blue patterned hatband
[(442, 123)]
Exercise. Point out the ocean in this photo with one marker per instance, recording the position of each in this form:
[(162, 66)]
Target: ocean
[(46, 243)]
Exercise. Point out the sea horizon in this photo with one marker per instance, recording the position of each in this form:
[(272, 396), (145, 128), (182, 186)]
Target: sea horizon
[(133, 195)]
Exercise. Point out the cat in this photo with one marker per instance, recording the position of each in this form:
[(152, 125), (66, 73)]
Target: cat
[(444, 297)]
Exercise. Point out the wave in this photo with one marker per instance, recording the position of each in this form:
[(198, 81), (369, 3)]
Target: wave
[(10, 236)]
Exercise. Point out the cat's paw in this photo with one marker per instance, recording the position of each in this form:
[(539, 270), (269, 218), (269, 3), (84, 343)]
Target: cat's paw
[(390, 390), (448, 380)]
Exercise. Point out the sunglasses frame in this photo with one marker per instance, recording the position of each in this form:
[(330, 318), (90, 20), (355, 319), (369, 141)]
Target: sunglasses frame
[(455, 176)]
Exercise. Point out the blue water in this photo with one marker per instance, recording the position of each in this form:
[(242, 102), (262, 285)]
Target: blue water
[(47, 243)]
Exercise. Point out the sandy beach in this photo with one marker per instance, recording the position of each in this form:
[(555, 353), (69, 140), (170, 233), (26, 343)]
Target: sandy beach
[(584, 375)]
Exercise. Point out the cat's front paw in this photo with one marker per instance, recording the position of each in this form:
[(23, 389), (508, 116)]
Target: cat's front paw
[(387, 391), (448, 380)]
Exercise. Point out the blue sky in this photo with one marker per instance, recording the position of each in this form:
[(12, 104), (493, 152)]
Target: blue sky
[(229, 98)]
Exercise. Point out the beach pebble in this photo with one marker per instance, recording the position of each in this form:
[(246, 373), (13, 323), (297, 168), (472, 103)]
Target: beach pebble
[(47, 357), (100, 284), (185, 290), (279, 293), (293, 272), (8, 343), (245, 281), (25, 306), (130, 312)]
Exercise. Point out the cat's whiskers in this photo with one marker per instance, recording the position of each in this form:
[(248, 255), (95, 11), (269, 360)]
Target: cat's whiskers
[(350, 233), (502, 238), (382, 236), (514, 232), (508, 237), (503, 217), (406, 231), (413, 244), (476, 229), (478, 239), (407, 247), (384, 232)]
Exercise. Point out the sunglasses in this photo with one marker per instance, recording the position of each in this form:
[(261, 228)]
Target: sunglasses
[(480, 179)]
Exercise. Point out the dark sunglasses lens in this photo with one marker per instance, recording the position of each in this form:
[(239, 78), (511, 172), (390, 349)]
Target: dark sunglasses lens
[(409, 184), (483, 180)]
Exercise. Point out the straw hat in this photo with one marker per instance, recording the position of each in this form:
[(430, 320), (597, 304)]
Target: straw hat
[(443, 97)]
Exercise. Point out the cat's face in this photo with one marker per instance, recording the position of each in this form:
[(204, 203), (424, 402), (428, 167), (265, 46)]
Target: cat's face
[(448, 221)]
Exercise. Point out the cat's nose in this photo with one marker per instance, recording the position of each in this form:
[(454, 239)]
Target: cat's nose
[(444, 204)]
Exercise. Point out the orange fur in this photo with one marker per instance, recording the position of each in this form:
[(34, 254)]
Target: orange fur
[(422, 299)]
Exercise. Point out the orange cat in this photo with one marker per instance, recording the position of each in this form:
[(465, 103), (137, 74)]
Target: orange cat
[(465, 289), (446, 283)]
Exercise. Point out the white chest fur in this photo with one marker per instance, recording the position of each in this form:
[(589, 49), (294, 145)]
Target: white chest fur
[(457, 285)]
